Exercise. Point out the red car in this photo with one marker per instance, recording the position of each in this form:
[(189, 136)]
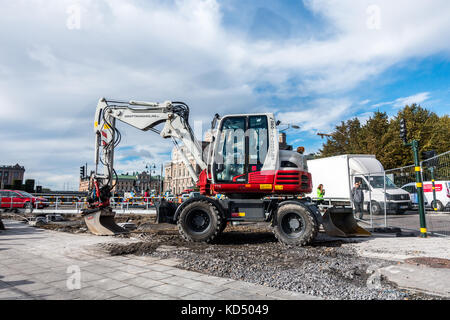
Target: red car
[(17, 199)]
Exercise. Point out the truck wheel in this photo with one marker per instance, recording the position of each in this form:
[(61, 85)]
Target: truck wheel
[(295, 225), (199, 221), (375, 208), (439, 205)]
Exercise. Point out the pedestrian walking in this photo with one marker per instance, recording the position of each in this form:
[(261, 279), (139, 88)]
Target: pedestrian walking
[(358, 200), (320, 194)]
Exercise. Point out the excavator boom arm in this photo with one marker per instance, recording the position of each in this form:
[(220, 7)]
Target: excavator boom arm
[(144, 116)]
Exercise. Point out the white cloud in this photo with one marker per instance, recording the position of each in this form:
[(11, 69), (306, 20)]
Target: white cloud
[(52, 76), (401, 102), (321, 114), (417, 98)]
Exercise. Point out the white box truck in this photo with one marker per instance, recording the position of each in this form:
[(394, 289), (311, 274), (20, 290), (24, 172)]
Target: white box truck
[(338, 175)]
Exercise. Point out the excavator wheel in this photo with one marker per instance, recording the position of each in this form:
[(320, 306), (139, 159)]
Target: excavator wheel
[(295, 225), (199, 221)]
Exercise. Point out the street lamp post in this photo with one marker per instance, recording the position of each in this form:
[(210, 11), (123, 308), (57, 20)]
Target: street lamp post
[(149, 170)]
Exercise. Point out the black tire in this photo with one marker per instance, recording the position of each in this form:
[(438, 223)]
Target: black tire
[(439, 205), (375, 208), (295, 225), (199, 221)]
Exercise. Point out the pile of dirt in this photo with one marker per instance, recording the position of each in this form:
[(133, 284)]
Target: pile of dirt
[(71, 226)]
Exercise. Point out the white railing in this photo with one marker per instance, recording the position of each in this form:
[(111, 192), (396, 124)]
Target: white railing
[(74, 204)]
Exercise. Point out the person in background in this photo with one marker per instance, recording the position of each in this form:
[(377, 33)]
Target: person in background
[(320, 194), (146, 195), (358, 200)]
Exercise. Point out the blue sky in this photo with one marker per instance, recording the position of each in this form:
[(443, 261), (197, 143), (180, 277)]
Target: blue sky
[(313, 63)]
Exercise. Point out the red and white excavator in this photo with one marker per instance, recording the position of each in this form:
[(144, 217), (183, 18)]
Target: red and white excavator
[(244, 161)]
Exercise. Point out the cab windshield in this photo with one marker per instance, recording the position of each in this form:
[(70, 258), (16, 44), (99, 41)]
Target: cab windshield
[(377, 182)]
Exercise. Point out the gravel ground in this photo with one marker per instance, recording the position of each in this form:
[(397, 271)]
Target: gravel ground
[(327, 268)]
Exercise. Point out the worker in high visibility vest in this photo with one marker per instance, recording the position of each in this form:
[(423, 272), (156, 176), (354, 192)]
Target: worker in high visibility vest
[(320, 194)]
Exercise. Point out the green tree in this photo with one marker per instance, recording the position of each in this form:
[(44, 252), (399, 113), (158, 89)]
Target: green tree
[(381, 136), (344, 139)]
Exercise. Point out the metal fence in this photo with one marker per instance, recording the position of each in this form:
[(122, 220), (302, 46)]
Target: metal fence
[(386, 205), (74, 205)]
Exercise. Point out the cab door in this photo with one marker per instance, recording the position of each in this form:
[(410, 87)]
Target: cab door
[(6, 199), (240, 154), (17, 199), (230, 151)]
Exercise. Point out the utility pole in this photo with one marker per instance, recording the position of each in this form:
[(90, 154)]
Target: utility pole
[(160, 181), (434, 189), (414, 144)]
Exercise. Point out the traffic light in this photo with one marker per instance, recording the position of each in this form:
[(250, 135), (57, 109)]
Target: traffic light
[(428, 154), (82, 172), (403, 132)]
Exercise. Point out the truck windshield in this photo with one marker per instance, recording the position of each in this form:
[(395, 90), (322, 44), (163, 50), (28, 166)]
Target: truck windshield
[(377, 182)]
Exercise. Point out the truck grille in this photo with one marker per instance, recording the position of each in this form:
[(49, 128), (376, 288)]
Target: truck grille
[(400, 197)]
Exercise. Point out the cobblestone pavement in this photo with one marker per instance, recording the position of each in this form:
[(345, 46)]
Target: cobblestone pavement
[(43, 264)]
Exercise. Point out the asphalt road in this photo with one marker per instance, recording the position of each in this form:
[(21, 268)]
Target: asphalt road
[(437, 222)]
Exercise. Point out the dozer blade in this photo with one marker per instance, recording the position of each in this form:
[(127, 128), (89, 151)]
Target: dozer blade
[(165, 211), (101, 222), (339, 222)]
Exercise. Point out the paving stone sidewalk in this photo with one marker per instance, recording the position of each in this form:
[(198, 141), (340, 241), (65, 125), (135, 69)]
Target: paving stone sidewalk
[(44, 264)]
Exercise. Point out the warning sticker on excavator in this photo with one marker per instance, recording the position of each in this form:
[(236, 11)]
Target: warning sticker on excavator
[(265, 186), (238, 214)]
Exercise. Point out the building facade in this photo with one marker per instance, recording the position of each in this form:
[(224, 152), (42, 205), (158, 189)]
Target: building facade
[(136, 182), (10, 173), (176, 175)]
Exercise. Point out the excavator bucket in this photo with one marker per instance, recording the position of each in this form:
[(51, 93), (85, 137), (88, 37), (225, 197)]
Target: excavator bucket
[(101, 222), (165, 211), (339, 222)]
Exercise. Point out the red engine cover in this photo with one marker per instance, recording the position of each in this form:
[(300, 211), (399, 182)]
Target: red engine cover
[(262, 182)]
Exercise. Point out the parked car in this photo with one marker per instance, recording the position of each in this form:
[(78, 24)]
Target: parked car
[(442, 189), (184, 197), (412, 190), (17, 199), (194, 194), (170, 197)]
